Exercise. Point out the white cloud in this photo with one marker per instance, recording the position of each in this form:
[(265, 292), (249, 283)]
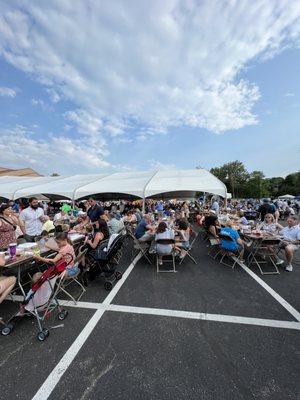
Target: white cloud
[(7, 92), (19, 147), (54, 96), (159, 63), (289, 94), (154, 164)]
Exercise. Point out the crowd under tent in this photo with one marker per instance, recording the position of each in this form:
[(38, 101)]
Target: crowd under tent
[(119, 185)]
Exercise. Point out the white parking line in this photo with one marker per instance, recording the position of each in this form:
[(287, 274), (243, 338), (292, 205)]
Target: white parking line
[(272, 292), (272, 323), (56, 374)]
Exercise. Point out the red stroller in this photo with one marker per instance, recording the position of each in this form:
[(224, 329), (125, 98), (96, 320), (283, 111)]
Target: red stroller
[(41, 301)]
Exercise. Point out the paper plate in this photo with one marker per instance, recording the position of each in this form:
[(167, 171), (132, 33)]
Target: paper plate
[(26, 246)]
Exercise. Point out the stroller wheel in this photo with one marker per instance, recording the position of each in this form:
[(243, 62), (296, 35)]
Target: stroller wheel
[(46, 332), (118, 275), (7, 330), (41, 336), (62, 315), (108, 286)]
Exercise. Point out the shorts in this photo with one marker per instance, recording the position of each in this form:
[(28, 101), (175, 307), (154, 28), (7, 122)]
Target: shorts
[(294, 247), (72, 271)]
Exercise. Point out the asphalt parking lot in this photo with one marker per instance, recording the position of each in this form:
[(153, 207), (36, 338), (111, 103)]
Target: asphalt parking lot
[(206, 332)]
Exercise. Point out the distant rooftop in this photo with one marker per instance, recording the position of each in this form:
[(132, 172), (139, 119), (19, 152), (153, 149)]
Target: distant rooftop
[(18, 172)]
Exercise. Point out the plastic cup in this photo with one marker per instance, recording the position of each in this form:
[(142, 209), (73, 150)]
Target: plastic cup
[(12, 248)]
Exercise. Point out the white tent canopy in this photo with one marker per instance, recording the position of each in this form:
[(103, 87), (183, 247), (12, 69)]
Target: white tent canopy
[(175, 183), (287, 196)]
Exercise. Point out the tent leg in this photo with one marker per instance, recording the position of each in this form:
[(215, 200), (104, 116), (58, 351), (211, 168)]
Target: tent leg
[(143, 209)]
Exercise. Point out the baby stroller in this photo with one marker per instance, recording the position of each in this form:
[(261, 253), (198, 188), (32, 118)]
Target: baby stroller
[(103, 262), (40, 302)]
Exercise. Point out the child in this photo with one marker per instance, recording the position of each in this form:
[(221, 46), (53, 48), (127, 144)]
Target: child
[(66, 252)]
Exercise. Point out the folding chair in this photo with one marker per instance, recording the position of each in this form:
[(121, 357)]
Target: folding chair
[(265, 250), (193, 237), (139, 246), (233, 255), (214, 248), (65, 281), (165, 242)]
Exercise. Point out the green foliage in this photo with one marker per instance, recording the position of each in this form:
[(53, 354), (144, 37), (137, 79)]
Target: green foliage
[(242, 184), (234, 175)]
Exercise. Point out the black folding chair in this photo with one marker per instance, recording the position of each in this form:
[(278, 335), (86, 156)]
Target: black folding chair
[(234, 256)]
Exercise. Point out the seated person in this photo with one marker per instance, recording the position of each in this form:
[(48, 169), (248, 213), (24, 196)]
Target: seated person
[(100, 233), (105, 215), (144, 232), (237, 245), (7, 283), (162, 232), (48, 225), (61, 216), (65, 252), (291, 240), (269, 224), (130, 218), (82, 222), (114, 224), (242, 219), (211, 223), (184, 231), (199, 219), (138, 215)]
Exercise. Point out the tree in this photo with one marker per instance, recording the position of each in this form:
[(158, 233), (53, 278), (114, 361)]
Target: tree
[(54, 174), (274, 185), (234, 175), (257, 186)]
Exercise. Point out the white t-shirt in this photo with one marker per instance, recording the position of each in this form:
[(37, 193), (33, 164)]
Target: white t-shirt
[(291, 233), (33, 225)]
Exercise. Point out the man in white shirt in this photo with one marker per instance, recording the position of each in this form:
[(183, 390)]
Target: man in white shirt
[(33, 218), (291, 243)]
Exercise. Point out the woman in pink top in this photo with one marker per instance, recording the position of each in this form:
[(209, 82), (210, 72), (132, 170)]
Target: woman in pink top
[(66, 252)]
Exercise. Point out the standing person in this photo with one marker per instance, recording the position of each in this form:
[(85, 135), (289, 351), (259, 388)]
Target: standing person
[(266, 208), (33, 217), (8, 225), (215, 207), (160, 209), (95, 211)]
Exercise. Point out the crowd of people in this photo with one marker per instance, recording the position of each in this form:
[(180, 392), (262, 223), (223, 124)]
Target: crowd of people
[(229, 220), (160, 220)]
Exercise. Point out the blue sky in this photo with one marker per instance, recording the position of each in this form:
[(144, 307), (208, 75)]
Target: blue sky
[(129, 85)]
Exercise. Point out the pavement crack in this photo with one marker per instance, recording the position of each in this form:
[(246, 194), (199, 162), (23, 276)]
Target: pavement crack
[(13, 353), (96, 376)]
